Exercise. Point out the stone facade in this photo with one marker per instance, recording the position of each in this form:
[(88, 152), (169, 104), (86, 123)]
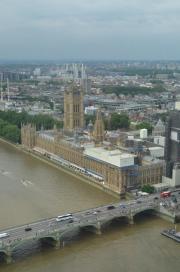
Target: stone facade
[(73, 109), (28, 135), (98, 128), (115, 178)]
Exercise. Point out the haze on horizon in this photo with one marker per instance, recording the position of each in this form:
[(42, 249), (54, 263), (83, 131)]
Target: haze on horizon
[(83, 29)]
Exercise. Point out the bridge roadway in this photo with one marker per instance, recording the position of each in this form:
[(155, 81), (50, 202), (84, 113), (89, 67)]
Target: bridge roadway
[(53, 232)]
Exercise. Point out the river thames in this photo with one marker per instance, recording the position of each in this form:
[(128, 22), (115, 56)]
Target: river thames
[(31, 190)]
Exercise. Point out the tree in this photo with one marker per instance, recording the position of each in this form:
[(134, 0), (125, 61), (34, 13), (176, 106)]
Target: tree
[(59, 124), (10, 122), (12, 133), (146, 125), (133, 90), (9, 132), (119, 121), (39, 120), (147, 188)]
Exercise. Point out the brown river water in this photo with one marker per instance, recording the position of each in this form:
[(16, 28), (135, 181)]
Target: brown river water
[(31, 190)]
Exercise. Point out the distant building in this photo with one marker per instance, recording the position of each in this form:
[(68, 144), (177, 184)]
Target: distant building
[(143, 133), (162, 76), (90, 110), (172, 144), (37, 72), (159, 129), (177, 105), (159, 140)]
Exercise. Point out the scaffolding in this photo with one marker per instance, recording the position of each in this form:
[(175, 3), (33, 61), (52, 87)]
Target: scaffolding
[(131, 174)]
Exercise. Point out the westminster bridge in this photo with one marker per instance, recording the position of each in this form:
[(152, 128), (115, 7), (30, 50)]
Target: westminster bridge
[(54, 230)]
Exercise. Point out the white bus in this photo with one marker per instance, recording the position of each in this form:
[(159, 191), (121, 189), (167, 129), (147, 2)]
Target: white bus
[(64, 217), (3, 235)]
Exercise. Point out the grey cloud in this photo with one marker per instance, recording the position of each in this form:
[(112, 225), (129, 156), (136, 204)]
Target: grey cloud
[(96, 28)]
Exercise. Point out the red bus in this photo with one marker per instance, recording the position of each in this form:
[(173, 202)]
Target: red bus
[(165, 194)]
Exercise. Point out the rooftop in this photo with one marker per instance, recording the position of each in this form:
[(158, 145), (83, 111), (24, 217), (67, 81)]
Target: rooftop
[(114, 157)]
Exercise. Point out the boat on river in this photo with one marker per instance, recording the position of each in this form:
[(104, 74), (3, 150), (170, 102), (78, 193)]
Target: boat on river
[(171, 233)]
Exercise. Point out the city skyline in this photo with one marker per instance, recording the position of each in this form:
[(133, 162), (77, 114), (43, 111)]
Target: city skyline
[(102, 30)]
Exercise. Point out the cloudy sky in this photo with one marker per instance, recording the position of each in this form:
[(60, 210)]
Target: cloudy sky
[(89, 29)]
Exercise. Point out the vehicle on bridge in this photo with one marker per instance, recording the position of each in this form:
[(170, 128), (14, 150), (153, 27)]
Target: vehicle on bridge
[(110, 207), (143, 194), (64, 217), (3, 235), (28, 228), (165, 194), (123, 206)]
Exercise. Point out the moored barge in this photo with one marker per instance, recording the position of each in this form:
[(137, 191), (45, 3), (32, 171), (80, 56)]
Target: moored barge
[(171, 233)]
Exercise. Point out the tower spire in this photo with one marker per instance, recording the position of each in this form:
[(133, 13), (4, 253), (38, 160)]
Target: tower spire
[(99, 128)]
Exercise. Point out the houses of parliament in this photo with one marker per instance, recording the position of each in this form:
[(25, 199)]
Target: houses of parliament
[(87, 149)]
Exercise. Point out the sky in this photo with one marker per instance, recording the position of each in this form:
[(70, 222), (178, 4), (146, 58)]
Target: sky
[(89, 29)]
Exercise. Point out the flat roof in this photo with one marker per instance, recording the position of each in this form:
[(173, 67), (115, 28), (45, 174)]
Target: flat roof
[(156, 148), (114, 157)]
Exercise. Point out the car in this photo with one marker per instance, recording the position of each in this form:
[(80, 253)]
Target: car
[(87, 213), (28, 229), (111, 207), (156, 198), (139, 201), (94, 212), (122, 206), (71, 221)]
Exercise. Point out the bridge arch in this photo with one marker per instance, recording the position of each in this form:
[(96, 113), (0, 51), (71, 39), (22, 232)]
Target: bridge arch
[(92, 228), (5, 256), (69, 232), (143, 213), (49, 240), (3, 253), (124, 219)]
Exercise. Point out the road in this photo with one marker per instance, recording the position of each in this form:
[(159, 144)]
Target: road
[(80, 218), (48, 226)]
